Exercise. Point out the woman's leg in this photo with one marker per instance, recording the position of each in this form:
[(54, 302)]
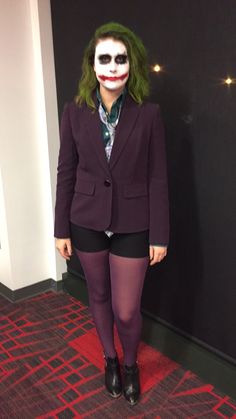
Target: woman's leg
[(127, 279), (92, 249), (96, 270)]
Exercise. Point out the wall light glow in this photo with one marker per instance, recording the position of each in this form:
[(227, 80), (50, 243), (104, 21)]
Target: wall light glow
[(156, 68), (229, 81)]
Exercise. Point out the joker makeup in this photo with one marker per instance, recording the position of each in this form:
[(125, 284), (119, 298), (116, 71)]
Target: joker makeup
[(111, 64)]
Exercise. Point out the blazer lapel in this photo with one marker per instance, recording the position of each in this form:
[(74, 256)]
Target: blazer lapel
[(128, 116), (93, 125)]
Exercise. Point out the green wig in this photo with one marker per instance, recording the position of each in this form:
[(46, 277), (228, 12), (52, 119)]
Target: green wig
[(138, 81)]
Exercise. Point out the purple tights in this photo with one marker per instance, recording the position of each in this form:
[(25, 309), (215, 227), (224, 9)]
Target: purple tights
[(115, 286)]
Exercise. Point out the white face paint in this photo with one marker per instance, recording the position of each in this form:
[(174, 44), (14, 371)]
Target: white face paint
[(111, 64)]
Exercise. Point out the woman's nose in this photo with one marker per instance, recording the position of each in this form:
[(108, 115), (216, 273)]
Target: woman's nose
[(113, 66)]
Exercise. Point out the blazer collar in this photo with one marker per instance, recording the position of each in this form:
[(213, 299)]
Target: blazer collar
[(128, 116)]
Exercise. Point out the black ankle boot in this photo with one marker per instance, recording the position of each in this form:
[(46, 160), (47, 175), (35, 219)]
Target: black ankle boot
[(113, 376), (131, 384)]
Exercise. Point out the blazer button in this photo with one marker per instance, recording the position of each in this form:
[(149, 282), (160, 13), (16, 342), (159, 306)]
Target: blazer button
[(107, 182)]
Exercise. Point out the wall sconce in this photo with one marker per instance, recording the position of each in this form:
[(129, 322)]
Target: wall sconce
[(229, 81), (156, 68)]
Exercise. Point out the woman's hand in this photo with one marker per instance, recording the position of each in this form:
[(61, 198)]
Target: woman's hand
[(64, 248), (157, 253)]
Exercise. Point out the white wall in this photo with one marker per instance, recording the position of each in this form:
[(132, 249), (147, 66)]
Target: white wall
[(29, 142)]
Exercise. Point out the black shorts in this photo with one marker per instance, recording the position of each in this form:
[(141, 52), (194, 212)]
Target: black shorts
[(134, 245)]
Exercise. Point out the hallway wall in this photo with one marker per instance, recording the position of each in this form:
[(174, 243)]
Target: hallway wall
[(29, 144)]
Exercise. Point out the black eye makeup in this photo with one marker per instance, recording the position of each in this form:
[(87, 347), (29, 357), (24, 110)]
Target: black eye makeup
[(119, 59), (104, 58)]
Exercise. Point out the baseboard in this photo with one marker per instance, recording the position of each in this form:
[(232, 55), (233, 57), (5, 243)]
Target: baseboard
[(191, 338), (30, 290)]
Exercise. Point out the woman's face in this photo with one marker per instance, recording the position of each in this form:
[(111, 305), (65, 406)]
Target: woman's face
[(111, 64)]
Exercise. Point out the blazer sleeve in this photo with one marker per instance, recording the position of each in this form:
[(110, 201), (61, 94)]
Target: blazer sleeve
[(158, 185), (66, 176)]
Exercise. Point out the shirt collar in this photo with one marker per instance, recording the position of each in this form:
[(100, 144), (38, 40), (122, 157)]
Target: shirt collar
[(119, 101)]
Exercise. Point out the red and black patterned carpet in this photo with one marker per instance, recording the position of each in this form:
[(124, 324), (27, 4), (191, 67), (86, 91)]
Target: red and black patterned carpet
[(51, 366)]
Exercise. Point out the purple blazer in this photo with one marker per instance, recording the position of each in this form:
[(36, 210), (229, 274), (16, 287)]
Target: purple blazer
[(127, 194)]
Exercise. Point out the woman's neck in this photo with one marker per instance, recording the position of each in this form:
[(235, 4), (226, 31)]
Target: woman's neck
[(109, 96)]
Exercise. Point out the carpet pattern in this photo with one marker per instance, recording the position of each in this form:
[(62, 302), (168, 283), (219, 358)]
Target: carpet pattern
[(51, 366)]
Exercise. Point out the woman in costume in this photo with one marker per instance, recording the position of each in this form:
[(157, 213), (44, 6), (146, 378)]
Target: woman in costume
[(112, 197)]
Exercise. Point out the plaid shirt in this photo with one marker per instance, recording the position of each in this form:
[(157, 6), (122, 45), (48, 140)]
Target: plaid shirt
[(111, 118)]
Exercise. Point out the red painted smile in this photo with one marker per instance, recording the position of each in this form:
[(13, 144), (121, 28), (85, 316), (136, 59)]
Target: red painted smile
[(104, 78)]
